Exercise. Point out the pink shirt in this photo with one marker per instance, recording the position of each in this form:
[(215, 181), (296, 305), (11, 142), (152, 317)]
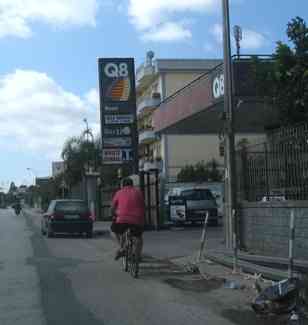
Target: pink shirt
[(129, 204)]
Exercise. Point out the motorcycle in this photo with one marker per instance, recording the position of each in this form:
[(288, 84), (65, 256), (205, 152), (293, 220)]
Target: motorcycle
[(17, 209)]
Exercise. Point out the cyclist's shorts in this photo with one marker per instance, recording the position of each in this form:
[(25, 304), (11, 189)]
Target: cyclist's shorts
[(120, 228)]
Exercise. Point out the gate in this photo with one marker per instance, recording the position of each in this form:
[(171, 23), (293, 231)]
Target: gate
[(149, 185), (148, 182)]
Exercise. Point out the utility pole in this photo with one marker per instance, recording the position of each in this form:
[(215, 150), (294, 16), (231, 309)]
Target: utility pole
[(230, 177)]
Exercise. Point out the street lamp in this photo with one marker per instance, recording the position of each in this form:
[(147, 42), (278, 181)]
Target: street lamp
[(90, 193), (35, 187), (88, 133), (34, 174)]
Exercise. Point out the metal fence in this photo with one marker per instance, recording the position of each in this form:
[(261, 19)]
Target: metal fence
[(276, 169), (149, 184)]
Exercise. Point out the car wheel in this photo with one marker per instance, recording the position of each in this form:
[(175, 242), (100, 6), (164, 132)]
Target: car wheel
[(42, 229), (49, 232), (90, 234)]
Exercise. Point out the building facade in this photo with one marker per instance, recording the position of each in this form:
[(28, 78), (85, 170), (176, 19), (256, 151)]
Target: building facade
[(190, 122), (58, 168), (157, 80)]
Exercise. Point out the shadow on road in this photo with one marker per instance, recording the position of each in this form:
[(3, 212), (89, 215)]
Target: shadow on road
[(151, 267), (96, 235)]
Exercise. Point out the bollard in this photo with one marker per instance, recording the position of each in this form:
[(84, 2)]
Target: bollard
[(291, 244), (203, 237)]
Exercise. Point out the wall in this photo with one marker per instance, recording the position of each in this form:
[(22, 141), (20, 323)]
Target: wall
[(171, 81), (264, 228), (155, 86), (190, 149), (175, 81)]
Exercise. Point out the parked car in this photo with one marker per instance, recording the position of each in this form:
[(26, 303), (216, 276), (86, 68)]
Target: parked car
[(197, 202), (67, 216)]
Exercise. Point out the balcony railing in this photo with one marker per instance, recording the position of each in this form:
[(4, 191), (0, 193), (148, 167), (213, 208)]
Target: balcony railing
[(147, 105), (144, 76), (146, 136)]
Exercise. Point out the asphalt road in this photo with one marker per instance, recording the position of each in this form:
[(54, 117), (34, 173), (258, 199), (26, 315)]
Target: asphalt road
[(72, 280)]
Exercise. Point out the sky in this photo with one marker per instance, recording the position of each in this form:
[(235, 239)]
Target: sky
[(49, 51)]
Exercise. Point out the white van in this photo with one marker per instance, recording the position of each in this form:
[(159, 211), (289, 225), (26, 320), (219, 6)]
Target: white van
[(198, 201)]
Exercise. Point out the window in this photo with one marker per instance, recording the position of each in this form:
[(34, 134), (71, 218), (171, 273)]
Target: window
[(51, 207), (197, 194), (71, 206)]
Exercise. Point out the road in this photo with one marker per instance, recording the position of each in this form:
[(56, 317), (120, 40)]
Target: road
[(72, 280)]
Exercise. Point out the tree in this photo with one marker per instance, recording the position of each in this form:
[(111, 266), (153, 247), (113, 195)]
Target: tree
[(78, 153), (13, 188), (286, 82), (200, 172)]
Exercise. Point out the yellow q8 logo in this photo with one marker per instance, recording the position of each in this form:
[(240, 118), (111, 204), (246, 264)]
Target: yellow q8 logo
[(113, 70)]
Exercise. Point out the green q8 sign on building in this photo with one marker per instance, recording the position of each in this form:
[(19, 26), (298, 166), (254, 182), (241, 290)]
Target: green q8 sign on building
[(118, 112)]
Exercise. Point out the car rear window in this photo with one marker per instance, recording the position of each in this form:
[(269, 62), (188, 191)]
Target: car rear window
[(197, 195), (73, 206)]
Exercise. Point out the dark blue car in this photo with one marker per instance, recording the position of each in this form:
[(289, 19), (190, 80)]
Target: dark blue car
[(67, 216)]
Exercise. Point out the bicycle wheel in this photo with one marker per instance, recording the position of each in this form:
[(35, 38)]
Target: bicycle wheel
[(125, 257), (134, 259), (135, 267), (125, 262)]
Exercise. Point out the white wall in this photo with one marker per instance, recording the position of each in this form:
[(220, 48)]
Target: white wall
[(176, 81)]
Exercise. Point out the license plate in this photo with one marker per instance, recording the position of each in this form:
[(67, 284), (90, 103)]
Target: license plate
[(72, 217)]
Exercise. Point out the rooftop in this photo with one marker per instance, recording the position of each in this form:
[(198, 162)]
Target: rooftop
[(162, 65), (186, 64)]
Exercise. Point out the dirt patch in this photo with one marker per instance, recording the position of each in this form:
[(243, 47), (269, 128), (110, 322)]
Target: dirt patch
[(198, 285)]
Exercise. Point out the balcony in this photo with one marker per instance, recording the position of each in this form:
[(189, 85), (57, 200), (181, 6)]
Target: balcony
[(147, 165), (148, 105), (145, 75), (146, 136)]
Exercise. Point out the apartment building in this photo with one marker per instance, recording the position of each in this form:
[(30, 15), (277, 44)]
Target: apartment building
[(157, 80)]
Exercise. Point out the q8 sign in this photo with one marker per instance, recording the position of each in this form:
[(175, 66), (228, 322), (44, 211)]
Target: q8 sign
[(117, 101)]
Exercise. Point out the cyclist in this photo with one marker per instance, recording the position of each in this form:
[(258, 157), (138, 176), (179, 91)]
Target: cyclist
[(128, 211)]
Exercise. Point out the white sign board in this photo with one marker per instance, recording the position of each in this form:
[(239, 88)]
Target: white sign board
[(119, 119), (117, 142), (117, 131), (115, 156)]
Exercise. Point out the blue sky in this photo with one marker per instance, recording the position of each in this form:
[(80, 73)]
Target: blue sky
[(49, 51)]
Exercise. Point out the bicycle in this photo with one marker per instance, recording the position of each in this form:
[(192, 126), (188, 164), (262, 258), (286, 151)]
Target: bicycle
[(130, 259)]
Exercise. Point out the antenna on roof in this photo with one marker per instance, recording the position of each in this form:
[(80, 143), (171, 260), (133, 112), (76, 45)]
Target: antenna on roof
[(149, 58)]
